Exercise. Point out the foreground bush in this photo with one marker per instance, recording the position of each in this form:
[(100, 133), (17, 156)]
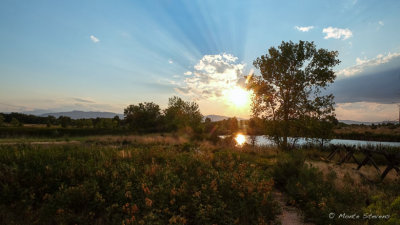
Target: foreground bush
[(314, 193), (148, 184)]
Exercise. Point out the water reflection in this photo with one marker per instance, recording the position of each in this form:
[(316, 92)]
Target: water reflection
[(240, 139), (263, 140)]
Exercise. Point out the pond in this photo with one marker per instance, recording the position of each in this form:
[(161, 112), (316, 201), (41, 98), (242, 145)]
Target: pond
[(263, 140)]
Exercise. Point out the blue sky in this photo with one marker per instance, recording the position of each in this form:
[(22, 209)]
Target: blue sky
[(105, 55)]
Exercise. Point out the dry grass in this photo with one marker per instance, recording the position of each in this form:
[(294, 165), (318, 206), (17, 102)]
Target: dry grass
[(347, 172), (147, 139)]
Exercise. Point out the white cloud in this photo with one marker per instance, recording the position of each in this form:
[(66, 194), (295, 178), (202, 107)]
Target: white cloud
[(362, 64), (211, 76), (381, 23), (94, 39), (337, 33), (304, 29), (170, 61)]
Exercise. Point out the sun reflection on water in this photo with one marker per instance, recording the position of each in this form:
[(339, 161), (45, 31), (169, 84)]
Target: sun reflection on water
[(240, 139)]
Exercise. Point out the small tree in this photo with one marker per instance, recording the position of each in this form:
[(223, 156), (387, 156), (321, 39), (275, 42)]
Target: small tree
[(116, 122), (289, 88), (233, 125), (15, 123), (65, 121), (144, 117), (183, 115)]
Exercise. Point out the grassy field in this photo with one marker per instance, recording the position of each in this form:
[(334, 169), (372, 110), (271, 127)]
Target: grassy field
[(157, 179)]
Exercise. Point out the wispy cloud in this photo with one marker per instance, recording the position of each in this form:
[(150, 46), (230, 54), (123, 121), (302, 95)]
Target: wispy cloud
[(362, 64), (381, 23), (337, 33), (170, 61), (211, 76), (304, 29), (94, 39), (82, 100)]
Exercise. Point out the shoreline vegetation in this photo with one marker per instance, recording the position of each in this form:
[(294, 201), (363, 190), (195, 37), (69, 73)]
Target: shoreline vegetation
[(390, 133)]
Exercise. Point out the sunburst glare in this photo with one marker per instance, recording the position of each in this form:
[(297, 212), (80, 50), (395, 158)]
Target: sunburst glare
[(240, 139), (238, 97)]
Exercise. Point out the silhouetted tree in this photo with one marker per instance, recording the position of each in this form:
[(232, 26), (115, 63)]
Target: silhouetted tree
[(65, 121), (51, 120), (143, 117), (289, 88), (15, 123), (233, 125), (116, 121)]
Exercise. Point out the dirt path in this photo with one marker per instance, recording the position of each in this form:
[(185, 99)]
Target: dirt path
[(290, 215)]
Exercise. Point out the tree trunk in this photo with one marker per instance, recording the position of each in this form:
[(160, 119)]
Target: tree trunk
[(285, 145)]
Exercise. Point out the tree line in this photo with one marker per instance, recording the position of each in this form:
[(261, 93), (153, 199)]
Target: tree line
[(182, 117), (19, 119)]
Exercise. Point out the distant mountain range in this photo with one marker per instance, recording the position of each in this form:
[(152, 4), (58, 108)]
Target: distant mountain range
[(84, 115)]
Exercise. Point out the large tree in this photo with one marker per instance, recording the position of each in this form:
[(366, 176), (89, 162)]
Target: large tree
[(289, 91)]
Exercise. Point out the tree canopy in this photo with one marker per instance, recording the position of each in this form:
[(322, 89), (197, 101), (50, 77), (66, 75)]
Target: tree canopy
[(181, 114), (288, 93), (143, 117)]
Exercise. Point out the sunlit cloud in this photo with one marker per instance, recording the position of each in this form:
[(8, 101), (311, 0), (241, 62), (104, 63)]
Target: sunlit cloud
[(212, 76), (217, 84), (170, 61), (337, 33), (94, 39), (304, 29), (362, 64)]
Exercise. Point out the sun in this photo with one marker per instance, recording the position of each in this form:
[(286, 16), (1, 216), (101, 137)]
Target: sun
[(238, 97)]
